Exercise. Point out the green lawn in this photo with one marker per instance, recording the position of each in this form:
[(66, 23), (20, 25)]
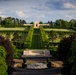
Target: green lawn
[(22, 29), (62, 30), (36, 40)]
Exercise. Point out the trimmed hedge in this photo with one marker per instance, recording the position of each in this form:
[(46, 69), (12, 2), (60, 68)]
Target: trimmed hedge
[(28, 40), (44, 40)]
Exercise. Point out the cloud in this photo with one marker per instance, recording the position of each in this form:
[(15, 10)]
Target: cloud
[(40, 16), (38, 9), (69, 6), (21, 14), (3, 16), (61, 4), (54, 4), (68, 16)]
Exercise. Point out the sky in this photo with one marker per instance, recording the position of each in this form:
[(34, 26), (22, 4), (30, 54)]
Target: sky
[(38, 10)]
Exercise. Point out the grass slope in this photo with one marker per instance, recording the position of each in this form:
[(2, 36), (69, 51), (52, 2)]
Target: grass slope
[(36, 40), (62, 30)]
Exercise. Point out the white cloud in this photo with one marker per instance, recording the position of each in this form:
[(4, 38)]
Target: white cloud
[(69, 5), (68, 16), (21, 14), (40, 16), (3, 16)]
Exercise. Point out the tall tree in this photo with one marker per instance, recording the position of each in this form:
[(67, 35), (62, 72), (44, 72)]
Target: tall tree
[(10, 24), (2, 52), (69, 66), (72, 23), (52, 35), (0, 20), (7, 45), (64, 47), (15, 21), (23, 22), (3, 66), (40, 22), (31, 22), (58, 23)]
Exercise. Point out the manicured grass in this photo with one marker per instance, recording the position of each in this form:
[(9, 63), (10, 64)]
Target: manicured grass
[(19, 29), (12, 29), (36, 40), (62, 30)]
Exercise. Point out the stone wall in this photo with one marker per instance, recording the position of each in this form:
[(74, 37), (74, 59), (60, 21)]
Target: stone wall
[(36, 53)]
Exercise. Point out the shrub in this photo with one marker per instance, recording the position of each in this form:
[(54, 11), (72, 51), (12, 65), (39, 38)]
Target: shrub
[(29, 38), (44, 40), (24, 60), (49, 63)]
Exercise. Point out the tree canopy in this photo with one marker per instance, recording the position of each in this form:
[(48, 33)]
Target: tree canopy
[(64, 47), (7, 45), (69, 66), (11, 22)]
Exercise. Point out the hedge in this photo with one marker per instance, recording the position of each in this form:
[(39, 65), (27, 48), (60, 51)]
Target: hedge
[(44, 40), (28, 40)]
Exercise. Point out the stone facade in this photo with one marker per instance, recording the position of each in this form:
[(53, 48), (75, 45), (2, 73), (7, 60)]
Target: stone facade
[(36, 24)]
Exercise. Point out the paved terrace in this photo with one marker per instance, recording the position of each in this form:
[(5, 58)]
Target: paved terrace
[(52, 71), (38, 56)]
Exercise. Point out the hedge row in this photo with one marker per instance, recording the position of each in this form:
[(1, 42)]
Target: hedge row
[(13, 31), (28, 40), (44, 40)]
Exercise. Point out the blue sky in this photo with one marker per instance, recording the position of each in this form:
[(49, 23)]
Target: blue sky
[(38, 10)]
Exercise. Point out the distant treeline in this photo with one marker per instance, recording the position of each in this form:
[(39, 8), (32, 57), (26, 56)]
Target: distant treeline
[(60, 23), (11, 22)]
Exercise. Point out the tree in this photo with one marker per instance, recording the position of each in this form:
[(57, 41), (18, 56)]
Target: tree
[(69, 66), (32, 23), (15, 51), (62, 23), (9, 22), (64, 47), (49, 64), (0, 20), (72, 57), (2, 52), (20, 22), (3, 66), (7, 45), (23, 22), (72, 23), (51, 23), (52, 35), (15, 21), (40, 22), (58, 23), (6, 21)]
